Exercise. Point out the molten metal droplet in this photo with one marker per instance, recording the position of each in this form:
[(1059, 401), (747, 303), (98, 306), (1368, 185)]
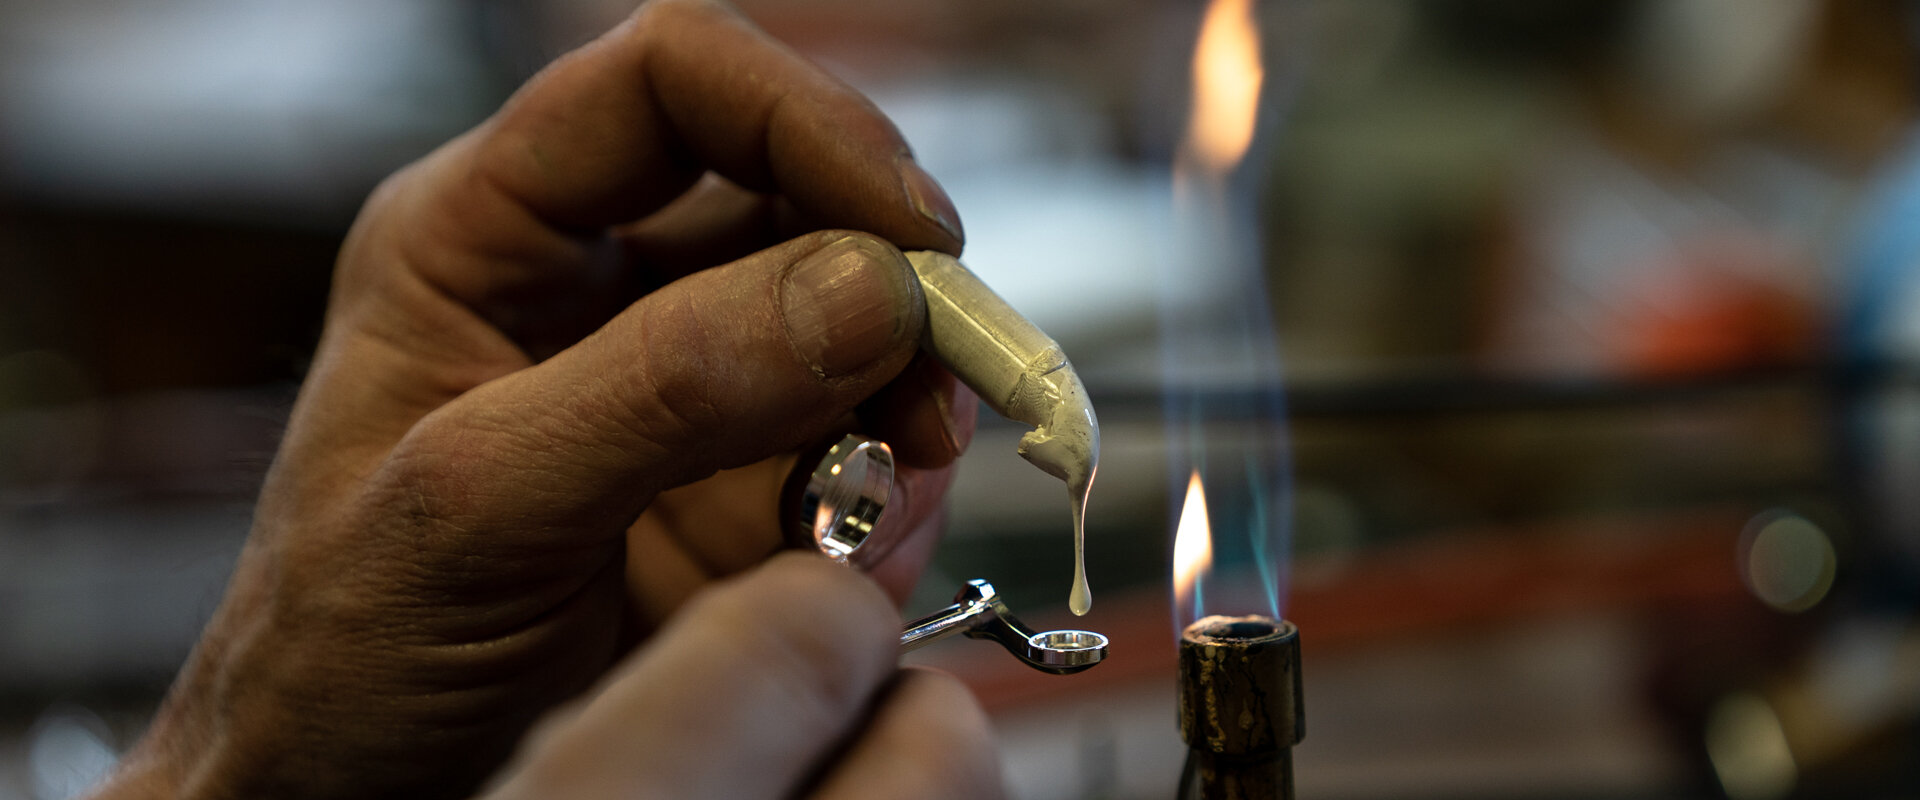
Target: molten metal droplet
[(1080, 599)]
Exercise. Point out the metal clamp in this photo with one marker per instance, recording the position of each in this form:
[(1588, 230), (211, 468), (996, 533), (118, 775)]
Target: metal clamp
[(978, 612)]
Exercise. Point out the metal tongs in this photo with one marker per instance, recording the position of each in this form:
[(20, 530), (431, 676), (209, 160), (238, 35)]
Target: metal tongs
[(839, 504), (978, 612)]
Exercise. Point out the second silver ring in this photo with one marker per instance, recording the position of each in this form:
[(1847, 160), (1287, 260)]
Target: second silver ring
[(842, 500)]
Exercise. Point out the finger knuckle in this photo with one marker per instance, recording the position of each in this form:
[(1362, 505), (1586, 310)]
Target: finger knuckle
[(358, 264), (668, 15), (679, 391)]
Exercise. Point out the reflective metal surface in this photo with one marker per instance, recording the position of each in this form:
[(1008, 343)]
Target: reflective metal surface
[(840, 503), (979, 613), (843, 498)]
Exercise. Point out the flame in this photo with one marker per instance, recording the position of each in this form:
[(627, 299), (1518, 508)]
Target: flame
[(1226, 86), (1192, 544)]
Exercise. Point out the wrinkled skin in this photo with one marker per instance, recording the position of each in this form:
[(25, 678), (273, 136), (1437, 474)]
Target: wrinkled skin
[(567, 360)]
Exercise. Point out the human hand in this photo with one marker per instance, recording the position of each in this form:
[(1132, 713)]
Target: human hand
[(540, 419), (686, 715)]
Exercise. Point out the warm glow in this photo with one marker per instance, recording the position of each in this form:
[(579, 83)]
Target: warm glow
[(1226, 86), (1192, 542)]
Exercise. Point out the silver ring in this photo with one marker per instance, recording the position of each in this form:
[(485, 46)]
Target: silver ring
[(844, 497)]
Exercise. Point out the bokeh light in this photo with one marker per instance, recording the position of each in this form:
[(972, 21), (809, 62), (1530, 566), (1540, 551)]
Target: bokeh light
[(1787, 561), (1749, 750)]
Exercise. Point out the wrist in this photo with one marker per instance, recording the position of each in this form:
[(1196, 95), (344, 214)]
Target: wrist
[(184, 754)]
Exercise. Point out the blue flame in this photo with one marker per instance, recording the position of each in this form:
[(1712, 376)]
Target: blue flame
[(1225, 413), (1225, 400)]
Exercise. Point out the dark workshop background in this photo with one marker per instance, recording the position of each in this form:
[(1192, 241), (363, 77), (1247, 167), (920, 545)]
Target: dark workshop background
[(1601, 322)]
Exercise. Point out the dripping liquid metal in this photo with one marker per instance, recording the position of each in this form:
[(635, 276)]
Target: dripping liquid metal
[(1023, 375)]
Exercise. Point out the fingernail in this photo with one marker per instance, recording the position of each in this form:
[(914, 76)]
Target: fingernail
[(929, 199), (847, 304)]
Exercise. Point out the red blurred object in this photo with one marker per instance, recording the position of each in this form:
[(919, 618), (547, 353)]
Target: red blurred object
[(1717, 310)]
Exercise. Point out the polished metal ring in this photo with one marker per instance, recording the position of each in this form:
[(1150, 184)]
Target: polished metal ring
[(844, 496)]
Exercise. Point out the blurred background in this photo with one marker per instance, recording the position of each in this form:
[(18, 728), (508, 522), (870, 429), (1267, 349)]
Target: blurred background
[(1600, 322)]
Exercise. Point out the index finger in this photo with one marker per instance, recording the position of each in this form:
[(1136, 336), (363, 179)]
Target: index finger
[(740, 696), (618, 128)]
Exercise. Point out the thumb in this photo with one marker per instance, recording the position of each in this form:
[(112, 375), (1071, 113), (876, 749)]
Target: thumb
[(721, 368)]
